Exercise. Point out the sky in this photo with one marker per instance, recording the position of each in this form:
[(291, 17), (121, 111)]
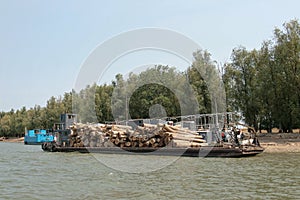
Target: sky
[(43, 44)]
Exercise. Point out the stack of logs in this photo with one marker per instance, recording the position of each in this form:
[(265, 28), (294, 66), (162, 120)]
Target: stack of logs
[(91, 135)]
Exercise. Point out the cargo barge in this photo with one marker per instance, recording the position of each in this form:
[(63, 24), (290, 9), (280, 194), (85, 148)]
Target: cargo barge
[(149, 139)]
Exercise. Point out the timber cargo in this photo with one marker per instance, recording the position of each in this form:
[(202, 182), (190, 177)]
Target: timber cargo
[(149, 139)]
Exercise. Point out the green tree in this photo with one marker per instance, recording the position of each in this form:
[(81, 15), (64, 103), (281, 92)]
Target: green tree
[(103, 103), (207, 81), (287, 63), (119, 99), (5, 125), (240, 76)]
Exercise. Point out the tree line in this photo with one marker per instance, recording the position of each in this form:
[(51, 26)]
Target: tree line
[(263, 84)]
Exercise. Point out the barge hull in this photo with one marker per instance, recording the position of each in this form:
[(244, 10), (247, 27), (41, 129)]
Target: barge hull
[(187, 152)]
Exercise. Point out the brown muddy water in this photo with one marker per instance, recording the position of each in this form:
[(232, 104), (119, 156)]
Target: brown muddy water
[(29, 173)]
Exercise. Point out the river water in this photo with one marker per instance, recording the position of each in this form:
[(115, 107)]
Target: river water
[(29, 173)]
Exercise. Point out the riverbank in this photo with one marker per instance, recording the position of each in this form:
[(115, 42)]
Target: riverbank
[(273, 147), (280, 142), (2, 139)]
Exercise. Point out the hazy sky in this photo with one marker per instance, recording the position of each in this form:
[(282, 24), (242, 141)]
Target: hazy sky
[(43, 43)]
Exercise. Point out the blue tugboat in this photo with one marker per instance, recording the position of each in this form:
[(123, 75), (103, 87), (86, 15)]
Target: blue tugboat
[(38, 136), (59, 131)]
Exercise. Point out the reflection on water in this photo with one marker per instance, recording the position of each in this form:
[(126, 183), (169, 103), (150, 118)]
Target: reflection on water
[(29, 173)]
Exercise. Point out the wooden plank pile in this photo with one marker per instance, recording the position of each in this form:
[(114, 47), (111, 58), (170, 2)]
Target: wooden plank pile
[(182, 137), (154, 136)]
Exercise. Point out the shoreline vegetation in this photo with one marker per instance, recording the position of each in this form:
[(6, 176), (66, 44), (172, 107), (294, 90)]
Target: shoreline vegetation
[(272, 142)]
